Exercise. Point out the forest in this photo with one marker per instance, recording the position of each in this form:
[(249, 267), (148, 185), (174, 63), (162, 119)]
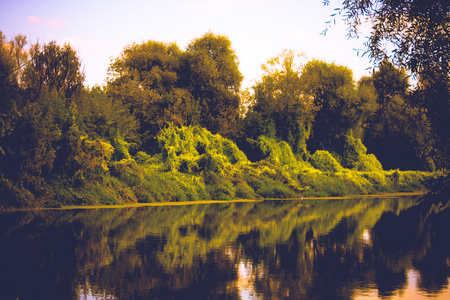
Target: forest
[(174, 124)]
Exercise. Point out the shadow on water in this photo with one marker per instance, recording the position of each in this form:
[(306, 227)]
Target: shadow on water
[(333, 249)]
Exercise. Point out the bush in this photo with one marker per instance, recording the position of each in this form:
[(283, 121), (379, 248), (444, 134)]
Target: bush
[(277, 152), (355, 155), (244, 191), (128, 171), (184, 148), (368, 163), (219, 187), (324, 161)]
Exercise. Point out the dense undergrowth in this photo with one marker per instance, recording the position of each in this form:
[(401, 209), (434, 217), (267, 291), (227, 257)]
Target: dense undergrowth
[(194, 164)]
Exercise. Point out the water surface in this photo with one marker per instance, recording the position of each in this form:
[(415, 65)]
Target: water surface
[(318, 249)]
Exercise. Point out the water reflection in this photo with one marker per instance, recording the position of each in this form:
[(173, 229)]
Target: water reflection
[(341, 249)]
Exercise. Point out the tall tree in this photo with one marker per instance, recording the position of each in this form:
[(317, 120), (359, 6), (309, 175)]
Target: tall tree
[(417, 35), (214, 78), (148, 78), (12, 59), (154, 65), (29, 151), (397, 125), (416, 30), (281, 107), (53, 67), (341, 106)]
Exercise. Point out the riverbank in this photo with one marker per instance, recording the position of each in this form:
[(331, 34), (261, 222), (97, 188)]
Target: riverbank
[(193, 165), (206, 202)]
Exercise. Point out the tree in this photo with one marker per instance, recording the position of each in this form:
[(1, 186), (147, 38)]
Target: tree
[(340, 105), (53, 67), (398, 125), (214, 78), (12, 58), (104, 117), (148, 78), (29, 151), (281, 107), (417, 32), (154, 65)]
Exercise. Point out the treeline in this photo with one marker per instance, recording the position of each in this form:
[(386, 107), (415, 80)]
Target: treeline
[(148, 134)]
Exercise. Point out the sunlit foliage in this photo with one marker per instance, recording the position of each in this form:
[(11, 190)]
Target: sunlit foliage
[(164, 128), (281, 107)]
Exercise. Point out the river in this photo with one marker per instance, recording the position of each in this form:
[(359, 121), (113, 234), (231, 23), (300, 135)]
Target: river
[(366, 248)]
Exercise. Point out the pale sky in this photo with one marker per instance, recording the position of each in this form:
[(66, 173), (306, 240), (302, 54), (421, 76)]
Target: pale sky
[(258, 29)]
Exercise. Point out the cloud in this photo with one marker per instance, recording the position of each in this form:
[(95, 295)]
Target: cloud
[(48, 22)]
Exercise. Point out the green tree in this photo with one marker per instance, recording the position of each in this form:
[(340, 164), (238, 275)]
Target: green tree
[(432, 99), (29, 151), (416, 31), (148, 79), (12, 59), (154, 65), (341, 105), (281, 108), (53, 67), (214, 78), (104, 117), (397, 125), (367, 106), (414, 35)]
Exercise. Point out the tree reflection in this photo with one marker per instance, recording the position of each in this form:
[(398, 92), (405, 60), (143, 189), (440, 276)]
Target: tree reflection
[(289, 249)]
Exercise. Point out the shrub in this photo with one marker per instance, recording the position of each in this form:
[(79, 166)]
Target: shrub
[(219, 187), (355, 155), (184, 148), (353, 150), (368, 163), (244, 191), (324, 161), (277, 152), (128, 171), (121, 148)]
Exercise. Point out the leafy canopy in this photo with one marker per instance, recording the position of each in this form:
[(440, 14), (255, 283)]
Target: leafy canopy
[(417, 31)]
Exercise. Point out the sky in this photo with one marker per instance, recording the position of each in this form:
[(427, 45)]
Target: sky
[(258, 29)]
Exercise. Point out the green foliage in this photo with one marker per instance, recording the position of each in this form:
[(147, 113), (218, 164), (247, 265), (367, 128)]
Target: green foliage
[(244, 191), (101, 116), (398, 125), (355, 155), (277, 152), (368, 163), (161, 84), (400, 27), (148, 136), (53, 67), (270, 188), (214, 78), (196, 149), (169, 187), (121, 148), (341, 105), (280, 107), (150, 80), (324, 161)]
